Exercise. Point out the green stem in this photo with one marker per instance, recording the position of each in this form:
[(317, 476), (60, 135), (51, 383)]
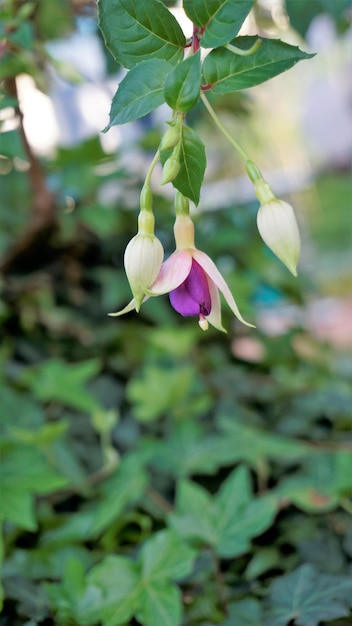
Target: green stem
[(243, 53), (151, 168), (221, 127)]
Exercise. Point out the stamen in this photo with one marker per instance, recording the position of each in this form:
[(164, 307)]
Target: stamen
[(203, 323)]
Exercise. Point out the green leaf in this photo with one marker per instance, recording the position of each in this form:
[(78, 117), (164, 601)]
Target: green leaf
[(111, 594), (321, 483), (117, 493), (247, 443), (222, 18), (192, 164), (24, 472), (262, 561), (62, 382), (163, 388), (246, 612), (238, 516), (182, 85), (165, 557), (160, 604), (229, 520), (194, 518), (139, 31), (189, 450), (125, 487), (228, 72), (18, 507), (308, 597), (140, 92)]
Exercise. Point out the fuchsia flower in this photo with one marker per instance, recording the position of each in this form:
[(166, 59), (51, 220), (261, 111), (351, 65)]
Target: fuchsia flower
[(193, 281)]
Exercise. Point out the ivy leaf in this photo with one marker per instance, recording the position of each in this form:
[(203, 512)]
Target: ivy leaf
[(308, 597), (111, 594), (140, 92), (140, 31), (228, 72), (246, 612), (228, 521), (192, 164), (118, 588), (62, 382), (160, 604), (182, 85), (24, 473), (222, 18), (165, 557), (250, 444), (322, 483), (189, 450)]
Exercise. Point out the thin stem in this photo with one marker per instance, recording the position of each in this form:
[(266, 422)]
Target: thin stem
[(219, 582), (221, 127), (152, 167), (243, 53)]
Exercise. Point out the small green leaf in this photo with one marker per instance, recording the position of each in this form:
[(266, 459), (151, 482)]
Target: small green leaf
[(228, 521), (18, 507), (139, 31), (164, 389), (140, 92), (55, 380), (222, 18), (308, 597), (246, 612), (228, 72), (160, 603), (194, 518), (247, 443), (24, 473), (165, 557), (182, 85), (116, 579), (192, 164)]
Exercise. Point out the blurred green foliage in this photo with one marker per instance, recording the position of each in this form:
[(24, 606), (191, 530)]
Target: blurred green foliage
[(149, 475)]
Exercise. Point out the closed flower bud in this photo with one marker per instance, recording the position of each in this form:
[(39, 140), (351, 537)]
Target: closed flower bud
[(170, 170), (171, 138), (278, 228), (143, 259)]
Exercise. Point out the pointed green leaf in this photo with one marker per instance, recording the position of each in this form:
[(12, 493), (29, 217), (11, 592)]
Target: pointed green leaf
[(234, 537), (192, 164), (18, 507), (165, 557), (307, 597), (112, 592), (222, 18), (245, 612), (64, 383), (160, 604), (194, 518), (228, 521), (138, 31), (140, 92), (229, 72), (182, 85)]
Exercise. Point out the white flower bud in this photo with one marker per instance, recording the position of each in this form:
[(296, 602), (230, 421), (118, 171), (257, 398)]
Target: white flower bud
[(143, 259), (278, 228)]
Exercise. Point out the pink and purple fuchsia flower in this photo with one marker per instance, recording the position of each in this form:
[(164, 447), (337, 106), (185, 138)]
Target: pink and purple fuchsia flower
[(192, 281)]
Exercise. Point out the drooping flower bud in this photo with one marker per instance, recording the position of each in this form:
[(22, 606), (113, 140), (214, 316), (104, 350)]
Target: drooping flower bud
[(276, 221), (278, 228), (171, 138), (143, 257), (170, 170)]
